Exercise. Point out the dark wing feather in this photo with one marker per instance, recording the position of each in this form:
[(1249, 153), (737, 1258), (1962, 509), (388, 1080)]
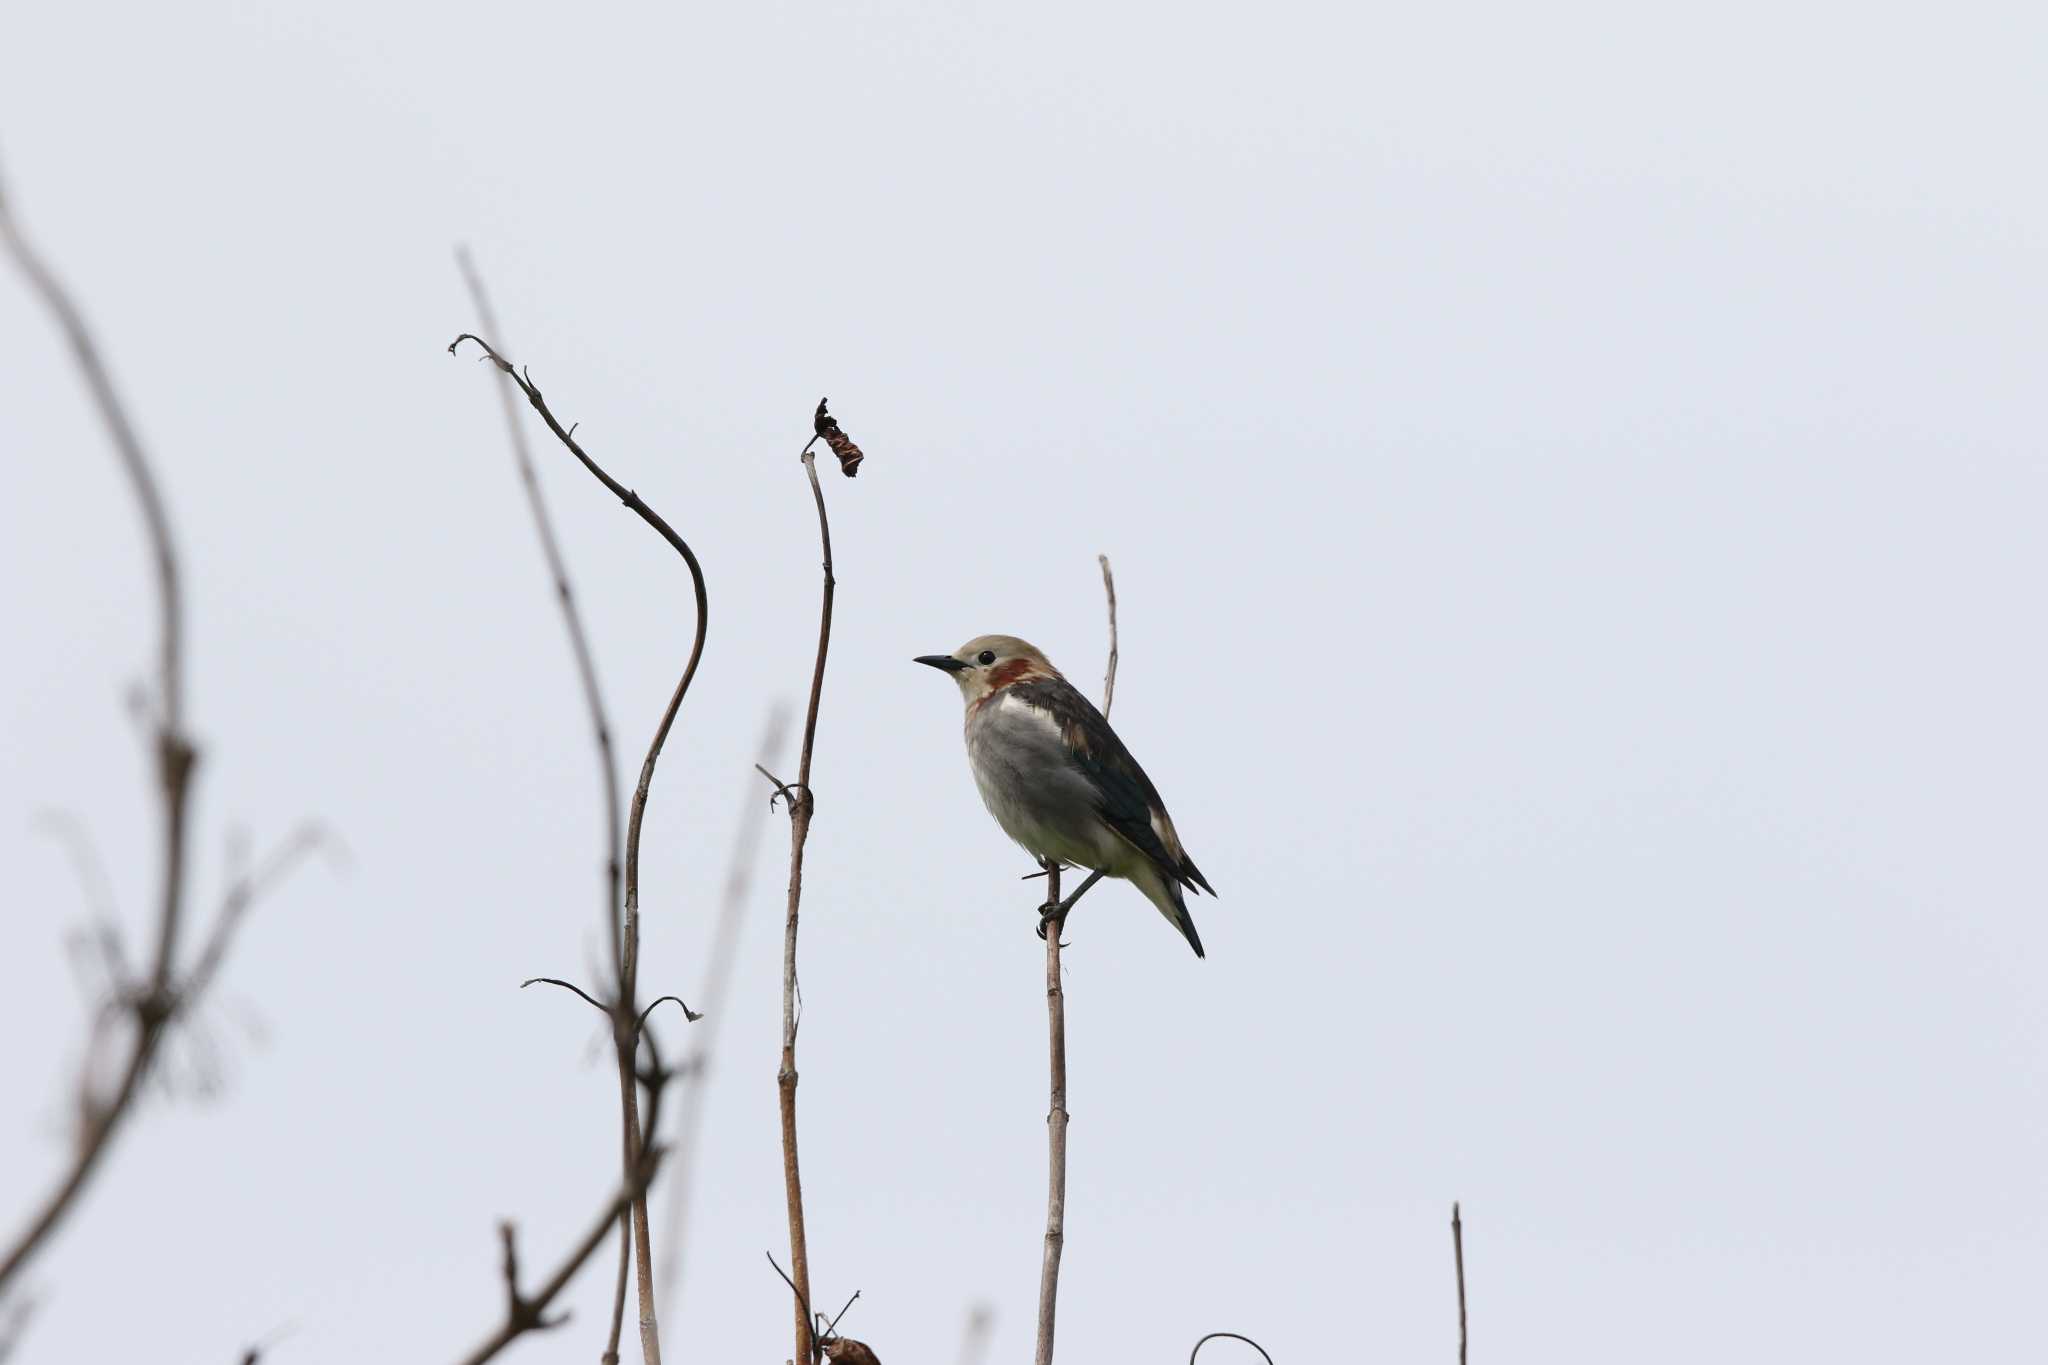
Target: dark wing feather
[(1125, 797)]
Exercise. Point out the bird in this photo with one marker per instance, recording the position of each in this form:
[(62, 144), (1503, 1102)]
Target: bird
[(1060, 782)]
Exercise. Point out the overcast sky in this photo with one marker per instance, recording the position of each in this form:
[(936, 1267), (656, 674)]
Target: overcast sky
[(1575, 482)]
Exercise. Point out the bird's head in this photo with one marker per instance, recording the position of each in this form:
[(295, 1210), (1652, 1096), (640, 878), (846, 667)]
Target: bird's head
[(988, 663)]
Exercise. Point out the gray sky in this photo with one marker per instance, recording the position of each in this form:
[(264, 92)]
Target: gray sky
[(1575, 485)]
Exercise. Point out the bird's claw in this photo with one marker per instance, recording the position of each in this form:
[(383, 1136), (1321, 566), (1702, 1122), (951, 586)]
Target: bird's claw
[(1050, 914)]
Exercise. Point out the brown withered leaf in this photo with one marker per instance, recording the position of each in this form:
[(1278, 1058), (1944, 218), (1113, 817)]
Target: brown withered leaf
[(846, 1351), (827, 426)]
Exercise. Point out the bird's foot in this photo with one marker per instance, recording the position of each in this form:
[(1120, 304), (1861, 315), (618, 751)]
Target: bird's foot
[(1053, 917)]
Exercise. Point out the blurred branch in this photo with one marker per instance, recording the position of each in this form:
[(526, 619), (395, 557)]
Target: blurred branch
[(1458, 1251), (801, 806), (626, 1031), (695, 1068), (154, 1001), (974, 1339), (14, 1325)]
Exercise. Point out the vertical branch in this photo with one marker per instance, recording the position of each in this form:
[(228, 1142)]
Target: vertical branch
[(153, 1002), (1056, 1040), (626, 1030), (1055, 1128), (1458, 1251), (800, 808), (600, 724)]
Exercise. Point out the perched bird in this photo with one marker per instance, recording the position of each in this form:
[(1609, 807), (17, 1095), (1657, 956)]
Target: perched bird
[(1059, 781)]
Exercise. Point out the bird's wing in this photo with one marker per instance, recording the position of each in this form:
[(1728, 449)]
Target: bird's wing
[(1125, 797)]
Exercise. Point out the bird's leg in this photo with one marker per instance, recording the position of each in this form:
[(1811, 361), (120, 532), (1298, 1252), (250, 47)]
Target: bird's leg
[(1055, 913)]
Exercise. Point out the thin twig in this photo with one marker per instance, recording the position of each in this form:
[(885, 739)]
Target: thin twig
[(801, 805), (588, 998), (1052, 918), (695, 1068), (565, 600), (526, 1311), (248, 889), (625, 1031), (156, 1002), (1055, 1128), (600, 724), (1458, 1250), (1228, 1336)]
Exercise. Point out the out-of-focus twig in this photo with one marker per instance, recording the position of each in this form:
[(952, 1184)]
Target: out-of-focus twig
[(694, 1070), (974, 1339), (166, 992)]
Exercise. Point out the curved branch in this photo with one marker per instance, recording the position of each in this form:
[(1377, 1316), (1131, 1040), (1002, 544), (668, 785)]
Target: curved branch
[(624, 1028), (175, 756), (1228, 1336)]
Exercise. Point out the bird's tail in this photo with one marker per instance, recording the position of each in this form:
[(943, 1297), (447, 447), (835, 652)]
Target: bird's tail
[(1165, 893)]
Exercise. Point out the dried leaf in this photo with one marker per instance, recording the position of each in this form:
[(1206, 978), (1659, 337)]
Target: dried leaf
[(846, 1351), (827, 426)]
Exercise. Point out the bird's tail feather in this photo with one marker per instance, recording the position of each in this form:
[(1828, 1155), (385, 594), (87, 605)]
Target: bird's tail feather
[(1164, 891)]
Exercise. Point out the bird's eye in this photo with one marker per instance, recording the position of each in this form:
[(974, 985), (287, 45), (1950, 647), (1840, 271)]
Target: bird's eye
[(987, 657)]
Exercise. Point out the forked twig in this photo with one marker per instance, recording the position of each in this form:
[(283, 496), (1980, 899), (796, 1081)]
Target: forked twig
[(155, 1001)]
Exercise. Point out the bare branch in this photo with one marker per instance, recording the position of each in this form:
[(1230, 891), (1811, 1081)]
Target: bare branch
[(565, 599), (246, 891), (1228, 1336), (625, 1029), (517, 1309), (526, 1312), (1055, 1125), (1458, 1251), (801, 806), (600, 724), (1052, 917), (688, 1013), (155, 1003), (570, 986)]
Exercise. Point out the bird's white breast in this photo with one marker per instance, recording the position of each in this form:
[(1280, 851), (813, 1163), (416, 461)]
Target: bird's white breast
[(1029, 781)]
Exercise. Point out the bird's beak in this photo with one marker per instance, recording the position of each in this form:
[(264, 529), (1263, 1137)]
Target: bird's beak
[(940, 661)]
